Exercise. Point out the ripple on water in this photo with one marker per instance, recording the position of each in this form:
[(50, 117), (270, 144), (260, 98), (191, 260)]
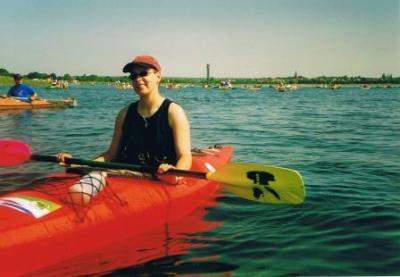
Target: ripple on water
[(345, 143)]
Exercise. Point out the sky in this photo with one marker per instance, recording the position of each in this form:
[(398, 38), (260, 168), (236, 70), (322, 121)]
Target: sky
[(238, 38)]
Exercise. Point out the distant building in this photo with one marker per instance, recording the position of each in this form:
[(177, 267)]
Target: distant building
[(208, 73)]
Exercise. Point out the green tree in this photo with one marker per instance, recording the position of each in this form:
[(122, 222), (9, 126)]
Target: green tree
[(66, 77), (53, 76), (36, 75), (4, 72)]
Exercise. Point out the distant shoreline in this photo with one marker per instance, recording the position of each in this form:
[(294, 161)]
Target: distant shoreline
[(343, 81)]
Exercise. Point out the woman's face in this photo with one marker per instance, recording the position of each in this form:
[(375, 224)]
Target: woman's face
[(145, 80)]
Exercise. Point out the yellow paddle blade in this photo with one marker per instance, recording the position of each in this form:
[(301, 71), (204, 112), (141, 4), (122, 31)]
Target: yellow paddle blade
[(261, 183)]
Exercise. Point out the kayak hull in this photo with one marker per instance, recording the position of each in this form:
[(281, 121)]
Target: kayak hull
[(12, 104), (126, 208)]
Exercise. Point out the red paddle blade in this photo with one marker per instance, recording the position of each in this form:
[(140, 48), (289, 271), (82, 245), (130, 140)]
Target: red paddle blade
[(13, 152)]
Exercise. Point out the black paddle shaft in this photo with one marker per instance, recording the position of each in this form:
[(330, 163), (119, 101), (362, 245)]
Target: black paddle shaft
[(108, 165)]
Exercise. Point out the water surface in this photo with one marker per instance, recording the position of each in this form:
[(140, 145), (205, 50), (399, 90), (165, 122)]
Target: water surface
[(345, 143)]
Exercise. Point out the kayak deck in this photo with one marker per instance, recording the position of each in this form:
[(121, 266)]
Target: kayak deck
[(32, 240), (9, 103)]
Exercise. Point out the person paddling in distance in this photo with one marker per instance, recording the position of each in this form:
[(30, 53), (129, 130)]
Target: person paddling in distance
[(153, 131), (21, 91)]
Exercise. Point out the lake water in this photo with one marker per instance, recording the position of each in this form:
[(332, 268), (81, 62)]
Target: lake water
[(345, 143)]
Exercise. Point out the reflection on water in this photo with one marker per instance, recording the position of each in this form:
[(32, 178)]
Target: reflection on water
[(160, 251), (5, 113), (20, 119)]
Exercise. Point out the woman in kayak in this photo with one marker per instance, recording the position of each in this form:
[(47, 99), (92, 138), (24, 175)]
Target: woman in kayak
[(153, 131), (20, 91)]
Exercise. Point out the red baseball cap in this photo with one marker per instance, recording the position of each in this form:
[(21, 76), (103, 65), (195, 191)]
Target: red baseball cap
[(142, 60)]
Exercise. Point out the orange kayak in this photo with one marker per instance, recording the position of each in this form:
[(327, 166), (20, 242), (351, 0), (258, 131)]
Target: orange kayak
[(8, 103), (40, 226)]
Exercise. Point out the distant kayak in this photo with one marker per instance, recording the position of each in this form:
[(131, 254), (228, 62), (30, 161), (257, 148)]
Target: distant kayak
[(8, 103)]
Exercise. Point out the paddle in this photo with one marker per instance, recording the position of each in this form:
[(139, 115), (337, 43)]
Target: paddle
[(261, 183), (61, 101)]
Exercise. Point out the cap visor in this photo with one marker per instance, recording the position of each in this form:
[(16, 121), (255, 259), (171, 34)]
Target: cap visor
[(130, 66)]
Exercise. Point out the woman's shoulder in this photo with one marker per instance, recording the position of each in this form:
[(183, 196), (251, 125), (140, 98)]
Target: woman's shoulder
[(123, 112), (176, 114), (175, 107)]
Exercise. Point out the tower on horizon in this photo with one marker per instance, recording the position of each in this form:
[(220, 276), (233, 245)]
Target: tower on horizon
[(208, 73)]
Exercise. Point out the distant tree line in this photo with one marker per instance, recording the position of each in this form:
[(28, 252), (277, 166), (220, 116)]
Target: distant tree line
[(384, 79), (66, 77)]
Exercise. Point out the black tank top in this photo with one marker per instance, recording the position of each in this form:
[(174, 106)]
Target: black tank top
[(148, 141)]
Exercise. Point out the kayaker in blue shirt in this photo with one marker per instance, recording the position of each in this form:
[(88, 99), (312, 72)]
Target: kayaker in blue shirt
[(20, 91)]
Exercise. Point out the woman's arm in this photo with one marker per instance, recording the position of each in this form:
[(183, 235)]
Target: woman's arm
[(181, 131), (112, 152), (114, 148)]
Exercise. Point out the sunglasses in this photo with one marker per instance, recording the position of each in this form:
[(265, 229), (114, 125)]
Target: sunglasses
[(135, 75)]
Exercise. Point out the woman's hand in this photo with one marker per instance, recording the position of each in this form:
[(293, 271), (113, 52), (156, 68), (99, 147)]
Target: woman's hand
[(168, 178), (61, 158)]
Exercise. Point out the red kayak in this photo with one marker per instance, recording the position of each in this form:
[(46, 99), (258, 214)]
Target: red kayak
[(41, 227)]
